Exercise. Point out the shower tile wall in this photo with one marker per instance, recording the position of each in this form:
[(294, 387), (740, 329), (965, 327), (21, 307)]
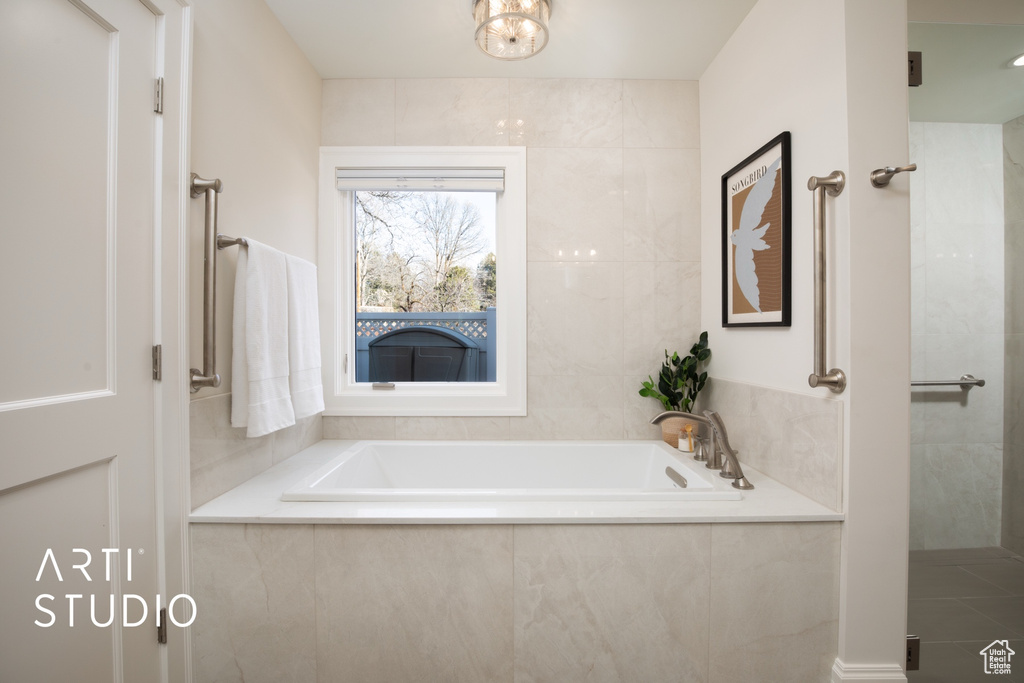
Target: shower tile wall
[(613, 174), (957, 327), (1013, 432)]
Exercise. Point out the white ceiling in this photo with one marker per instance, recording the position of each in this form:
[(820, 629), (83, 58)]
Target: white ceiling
[(965, 73), (434, 38)]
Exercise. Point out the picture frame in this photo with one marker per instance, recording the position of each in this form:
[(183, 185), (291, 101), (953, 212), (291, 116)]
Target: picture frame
[(757, 238)]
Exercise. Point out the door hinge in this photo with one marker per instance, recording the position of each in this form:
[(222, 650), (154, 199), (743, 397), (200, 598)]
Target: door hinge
[(914, 69), (158, 362), (158, 96), (344, 367), (161, 627), (913, 653)]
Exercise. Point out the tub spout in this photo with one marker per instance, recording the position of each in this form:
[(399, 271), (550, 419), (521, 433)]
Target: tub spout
[(731, 469), (705, 450)]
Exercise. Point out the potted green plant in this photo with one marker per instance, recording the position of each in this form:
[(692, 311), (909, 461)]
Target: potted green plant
[(679, 383)]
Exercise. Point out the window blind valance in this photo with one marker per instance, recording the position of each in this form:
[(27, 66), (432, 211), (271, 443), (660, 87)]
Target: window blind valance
[(422, 179)]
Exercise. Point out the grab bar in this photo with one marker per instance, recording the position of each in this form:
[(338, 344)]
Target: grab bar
[(965, 382), (212, 241), (832, 184)]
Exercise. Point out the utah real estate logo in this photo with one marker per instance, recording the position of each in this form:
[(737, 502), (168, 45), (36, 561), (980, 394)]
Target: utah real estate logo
[(997, 657)]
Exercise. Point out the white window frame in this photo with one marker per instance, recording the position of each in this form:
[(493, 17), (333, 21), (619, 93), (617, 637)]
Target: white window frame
[(342, 394)]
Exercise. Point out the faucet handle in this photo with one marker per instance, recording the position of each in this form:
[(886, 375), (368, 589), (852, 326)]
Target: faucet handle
[(700, 450)]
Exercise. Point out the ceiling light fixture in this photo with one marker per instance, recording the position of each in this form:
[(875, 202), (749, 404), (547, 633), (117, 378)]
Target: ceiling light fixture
[(511, 29), (1017, 61)]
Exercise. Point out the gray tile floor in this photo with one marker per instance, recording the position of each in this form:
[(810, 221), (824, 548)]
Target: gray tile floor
[(960, 601)]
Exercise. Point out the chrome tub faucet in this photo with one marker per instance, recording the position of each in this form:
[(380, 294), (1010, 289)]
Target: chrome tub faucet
[(731, 469), (712, 444)]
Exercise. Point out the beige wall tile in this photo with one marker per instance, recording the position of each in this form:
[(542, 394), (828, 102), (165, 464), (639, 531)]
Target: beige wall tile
[(661, 205), (451, 111), (567, 407), (663, 313), (793, 438), (574, 208), (346, 427), (524, 603), (566, 112), (956, 495), (638, 410), (661, 114), (221, 457), (575, 318), (306, 432), (611, 603), (253, 587), (414, 603), (358, 111), (442, 428), (774, 602)]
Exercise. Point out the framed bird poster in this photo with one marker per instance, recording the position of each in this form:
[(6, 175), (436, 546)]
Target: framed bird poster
[(756, 239)]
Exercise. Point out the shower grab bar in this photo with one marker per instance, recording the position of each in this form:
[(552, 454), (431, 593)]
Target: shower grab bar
[(832, 184), (212, 241), (965, 382)]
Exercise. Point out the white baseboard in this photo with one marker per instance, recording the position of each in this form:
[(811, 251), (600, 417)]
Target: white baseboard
[(876, 673)]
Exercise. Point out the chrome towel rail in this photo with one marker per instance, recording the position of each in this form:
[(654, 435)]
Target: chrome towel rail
[(833, 184), (208, 377), (965, 382)]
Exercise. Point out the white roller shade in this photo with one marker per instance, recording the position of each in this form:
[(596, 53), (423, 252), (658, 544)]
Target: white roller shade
[(430, 179)]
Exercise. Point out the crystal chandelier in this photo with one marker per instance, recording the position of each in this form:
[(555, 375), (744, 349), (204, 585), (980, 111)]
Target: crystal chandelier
[(511, 29)]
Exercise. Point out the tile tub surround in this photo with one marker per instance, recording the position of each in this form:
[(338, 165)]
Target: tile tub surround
[(957, 326), (613, 214), (515, 602), (221, 457), (793, 438)]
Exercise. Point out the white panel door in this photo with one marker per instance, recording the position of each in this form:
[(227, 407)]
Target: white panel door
[(78, 179)]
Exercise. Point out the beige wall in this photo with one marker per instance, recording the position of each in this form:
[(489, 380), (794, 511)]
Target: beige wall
[(256, 126), (613, 175), (744, 104)]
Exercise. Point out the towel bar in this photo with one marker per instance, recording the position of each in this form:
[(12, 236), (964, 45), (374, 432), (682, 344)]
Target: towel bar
[(965, 382), (212, 241)]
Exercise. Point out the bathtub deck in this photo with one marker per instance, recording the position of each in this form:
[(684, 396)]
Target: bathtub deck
[(258, 501)]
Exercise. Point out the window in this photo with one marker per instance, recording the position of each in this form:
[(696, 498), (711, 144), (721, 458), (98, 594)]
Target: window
[(423, 280), (426, 286)]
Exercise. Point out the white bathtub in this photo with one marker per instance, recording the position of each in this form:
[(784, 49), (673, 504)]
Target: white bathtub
[(455, 471)]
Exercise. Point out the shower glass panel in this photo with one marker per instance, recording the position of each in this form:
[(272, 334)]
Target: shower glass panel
[(966, 565), (967, 138)]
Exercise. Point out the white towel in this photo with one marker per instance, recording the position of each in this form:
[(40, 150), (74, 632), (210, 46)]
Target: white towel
[(304, 338), (261, 396)]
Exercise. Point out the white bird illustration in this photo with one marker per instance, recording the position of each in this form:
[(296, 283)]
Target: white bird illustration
[(748, 237)]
